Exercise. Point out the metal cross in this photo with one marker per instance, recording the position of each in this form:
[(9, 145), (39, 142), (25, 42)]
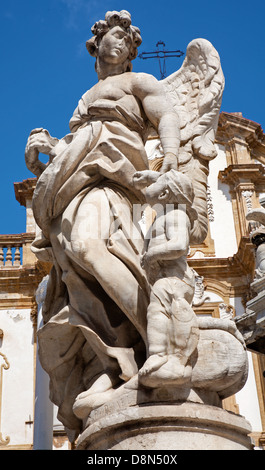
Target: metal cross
[(161, 55)]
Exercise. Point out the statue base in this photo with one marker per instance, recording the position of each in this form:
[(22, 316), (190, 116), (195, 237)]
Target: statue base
[(187, 426), (151, 420), (175, 417)]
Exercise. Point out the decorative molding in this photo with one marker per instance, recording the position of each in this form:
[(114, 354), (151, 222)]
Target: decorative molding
[(24, 190), (245, 181), (226, 311), (247, 194), (236, 267), (210, 204), (210, 309), (199, 295), (18, 287), (246, 175), (238, 133), (244, 143)]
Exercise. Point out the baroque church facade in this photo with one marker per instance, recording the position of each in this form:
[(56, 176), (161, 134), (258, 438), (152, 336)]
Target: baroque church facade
[(226, 287)]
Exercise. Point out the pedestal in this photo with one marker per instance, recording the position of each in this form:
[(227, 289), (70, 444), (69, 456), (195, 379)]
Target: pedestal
[(176, 417), (164, 426)]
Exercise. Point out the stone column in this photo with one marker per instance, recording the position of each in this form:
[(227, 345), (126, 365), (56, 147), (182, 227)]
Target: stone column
[(43, 416)]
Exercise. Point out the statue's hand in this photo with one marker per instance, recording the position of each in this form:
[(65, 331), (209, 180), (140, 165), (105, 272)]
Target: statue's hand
[(144, 178), (170, 162), (39, 141), (147, 261)]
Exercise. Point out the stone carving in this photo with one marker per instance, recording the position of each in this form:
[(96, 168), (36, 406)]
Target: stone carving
[(257, 236), (99, 337), (248, 198), (199, 293), (172, 327), (251, 324), (226, 311), (210, 204)]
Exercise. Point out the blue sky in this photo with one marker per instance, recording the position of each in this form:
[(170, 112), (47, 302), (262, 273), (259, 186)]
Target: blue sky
[(46, 68)]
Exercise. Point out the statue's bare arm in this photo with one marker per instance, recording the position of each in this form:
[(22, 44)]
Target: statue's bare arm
[(161, 114)]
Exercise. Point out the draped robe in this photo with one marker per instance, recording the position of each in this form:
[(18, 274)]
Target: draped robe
[(95, 308)]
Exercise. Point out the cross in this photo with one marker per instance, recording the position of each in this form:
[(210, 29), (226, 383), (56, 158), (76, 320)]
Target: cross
[(161, 54)]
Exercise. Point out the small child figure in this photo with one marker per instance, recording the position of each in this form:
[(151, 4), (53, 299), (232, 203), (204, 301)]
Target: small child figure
[(172, 328)]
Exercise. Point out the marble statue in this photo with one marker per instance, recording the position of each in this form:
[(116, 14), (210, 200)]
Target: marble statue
[(172, 326), (114, 311), (257, 215)]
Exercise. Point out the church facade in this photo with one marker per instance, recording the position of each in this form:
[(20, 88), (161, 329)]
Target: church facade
[(224, 264)]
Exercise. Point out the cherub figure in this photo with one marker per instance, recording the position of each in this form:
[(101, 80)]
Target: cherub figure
[(172, 328)]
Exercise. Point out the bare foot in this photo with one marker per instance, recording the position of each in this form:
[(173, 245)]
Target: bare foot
[(154, 362), (159, 371), (86, 402), (84, 405), (100, 391)]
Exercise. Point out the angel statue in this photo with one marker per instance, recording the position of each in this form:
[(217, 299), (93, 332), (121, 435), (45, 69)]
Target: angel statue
[(94, 337)]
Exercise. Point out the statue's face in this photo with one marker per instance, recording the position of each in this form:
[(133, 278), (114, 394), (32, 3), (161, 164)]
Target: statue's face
[(114, 47)]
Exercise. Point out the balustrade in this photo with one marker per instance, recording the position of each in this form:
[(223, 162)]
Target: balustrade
[(11, 250), (10, 256)]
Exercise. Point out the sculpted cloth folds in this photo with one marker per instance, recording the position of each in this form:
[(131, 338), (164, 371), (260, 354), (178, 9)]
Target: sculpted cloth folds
[(95, 308), (97, 296)]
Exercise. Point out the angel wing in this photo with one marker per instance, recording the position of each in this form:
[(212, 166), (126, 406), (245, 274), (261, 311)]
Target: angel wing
[(195, 91)]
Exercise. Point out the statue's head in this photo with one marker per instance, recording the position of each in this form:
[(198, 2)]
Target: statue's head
[(172, 187), (119, 37)]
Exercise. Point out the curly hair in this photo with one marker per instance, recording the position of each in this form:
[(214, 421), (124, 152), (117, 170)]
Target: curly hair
[(112, 19)]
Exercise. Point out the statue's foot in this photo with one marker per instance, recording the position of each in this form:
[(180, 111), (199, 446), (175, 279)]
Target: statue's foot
[(96, 395), (87, 401), (152, 364), (159, 371), (84, 405)]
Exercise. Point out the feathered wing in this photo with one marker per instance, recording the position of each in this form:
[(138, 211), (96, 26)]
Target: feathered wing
[(195, 91)]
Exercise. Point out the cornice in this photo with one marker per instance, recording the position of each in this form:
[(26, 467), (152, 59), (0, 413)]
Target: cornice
[(23, 280), (233, 127), (24, 190), (16, 238), (239, 267), (235, 124), (250, 172)]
